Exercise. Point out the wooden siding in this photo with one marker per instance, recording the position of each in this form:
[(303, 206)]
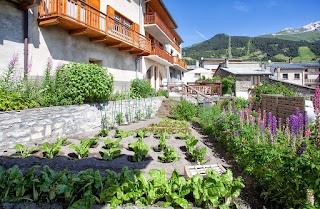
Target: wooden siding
[(180, 62), (153, 18), (157, 50), (84, 19)]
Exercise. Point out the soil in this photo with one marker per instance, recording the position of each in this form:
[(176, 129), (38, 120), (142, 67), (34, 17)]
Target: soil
[(166, 108), (249, 198)]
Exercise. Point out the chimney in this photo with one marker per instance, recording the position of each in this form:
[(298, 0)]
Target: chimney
[(197, 64), (226, 62), (278, 73)]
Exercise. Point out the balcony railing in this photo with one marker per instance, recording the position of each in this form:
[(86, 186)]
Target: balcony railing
[(78, 16), (157, 50), (153, 18), (180, 62), (312, 80)]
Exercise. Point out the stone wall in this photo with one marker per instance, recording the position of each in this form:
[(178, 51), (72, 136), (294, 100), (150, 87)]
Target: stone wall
[(35, 126)]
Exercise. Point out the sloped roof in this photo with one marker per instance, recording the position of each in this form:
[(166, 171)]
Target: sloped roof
[(295, 65), (246, 71)]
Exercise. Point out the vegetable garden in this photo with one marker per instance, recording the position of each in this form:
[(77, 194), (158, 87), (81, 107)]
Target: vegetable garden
[(103, 170)]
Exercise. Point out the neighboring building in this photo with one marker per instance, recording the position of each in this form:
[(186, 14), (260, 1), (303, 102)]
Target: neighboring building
[(213, 63), (195, 74), (132, 38), (303, 73), (247, 76)]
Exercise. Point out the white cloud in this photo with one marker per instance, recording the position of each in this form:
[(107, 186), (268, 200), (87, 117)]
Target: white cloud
[(200, 34), (240, 6)]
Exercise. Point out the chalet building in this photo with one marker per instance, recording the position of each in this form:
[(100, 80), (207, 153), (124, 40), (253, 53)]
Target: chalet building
[(131, 38), (303, 73), (247, 76)]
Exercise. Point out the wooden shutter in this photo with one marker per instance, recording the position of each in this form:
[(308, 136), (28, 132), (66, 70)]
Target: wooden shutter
[(110, 11)]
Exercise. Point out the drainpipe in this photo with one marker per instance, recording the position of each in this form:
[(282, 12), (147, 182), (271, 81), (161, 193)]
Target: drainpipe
[(136, 62), (26, 47)]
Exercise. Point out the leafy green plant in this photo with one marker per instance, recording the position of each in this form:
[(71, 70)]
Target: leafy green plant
[(184, 135), (227, 84), (111, 153), (140, 149), (112, 144), (83, 149), (123, 134), (141, 89), (119, 118), (190, 144), (163, 92), (141, 133), (52, 150), (198, 155), (73, 78), (169, 156), (138, 115), (184, 111), (162, 143), (24, 151), (104, 132)]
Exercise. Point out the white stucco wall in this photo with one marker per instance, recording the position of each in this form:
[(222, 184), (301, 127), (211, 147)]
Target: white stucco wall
[(291, 73), (56, 43), (128, 8)]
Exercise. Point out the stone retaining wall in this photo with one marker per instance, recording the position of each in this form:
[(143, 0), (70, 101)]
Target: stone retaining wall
[(35, 126)]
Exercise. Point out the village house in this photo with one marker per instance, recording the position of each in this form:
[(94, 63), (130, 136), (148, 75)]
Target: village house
[(303, 73), (131, 38), (247, 76)]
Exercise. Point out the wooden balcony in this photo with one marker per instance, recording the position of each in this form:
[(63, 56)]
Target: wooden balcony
[(180, 62), (164, 35), (80, 18), (159, 51)]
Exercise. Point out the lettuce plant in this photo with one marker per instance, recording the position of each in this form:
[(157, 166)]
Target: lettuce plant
[(103, 132), (24, 151), (83, 149), (112, 153), (52, 150), (169, 156), (123, 134), (112, 144), (140, 149)]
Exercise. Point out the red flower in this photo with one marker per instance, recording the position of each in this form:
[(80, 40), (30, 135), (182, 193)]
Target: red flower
[(243, 142)]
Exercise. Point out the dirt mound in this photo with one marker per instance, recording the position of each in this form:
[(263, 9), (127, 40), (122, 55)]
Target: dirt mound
[(166, 107)]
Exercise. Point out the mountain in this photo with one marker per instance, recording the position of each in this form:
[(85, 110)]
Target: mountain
[(254, 48), (309, 32)]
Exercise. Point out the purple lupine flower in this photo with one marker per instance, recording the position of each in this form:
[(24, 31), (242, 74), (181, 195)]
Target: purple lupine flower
[(59, 66), (236, 132), (274, 125), (49, 63), (270, 120), (299, 151), (294, 124), (306, 120), (259, 116), (262, 127), (13, 61), (303, 145), (264, 118), (29, 67), (316, 100)]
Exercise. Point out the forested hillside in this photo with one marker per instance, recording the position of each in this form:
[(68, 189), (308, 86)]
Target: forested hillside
[(254, 48)]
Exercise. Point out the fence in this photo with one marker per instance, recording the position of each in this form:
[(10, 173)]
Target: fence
[(281, 106)]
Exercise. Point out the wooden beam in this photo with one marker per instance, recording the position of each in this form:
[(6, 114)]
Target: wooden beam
[(136, 51), (51, 21), (77, 32), (98, 39), (114, 44), (127, 49)]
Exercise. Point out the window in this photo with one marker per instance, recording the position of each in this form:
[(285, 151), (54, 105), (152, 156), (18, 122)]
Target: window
[(95, 61), (296, 76), (122, 24), (255, 80), (285, 76)]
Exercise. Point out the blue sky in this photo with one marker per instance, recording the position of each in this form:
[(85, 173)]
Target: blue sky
[(199, 20)]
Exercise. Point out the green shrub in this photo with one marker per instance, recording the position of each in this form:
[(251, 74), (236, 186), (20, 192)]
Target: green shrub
[(240, 103), (163, 92), (78, 83), (141, 89), (227, 84), (184, 111), (275, 88)]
